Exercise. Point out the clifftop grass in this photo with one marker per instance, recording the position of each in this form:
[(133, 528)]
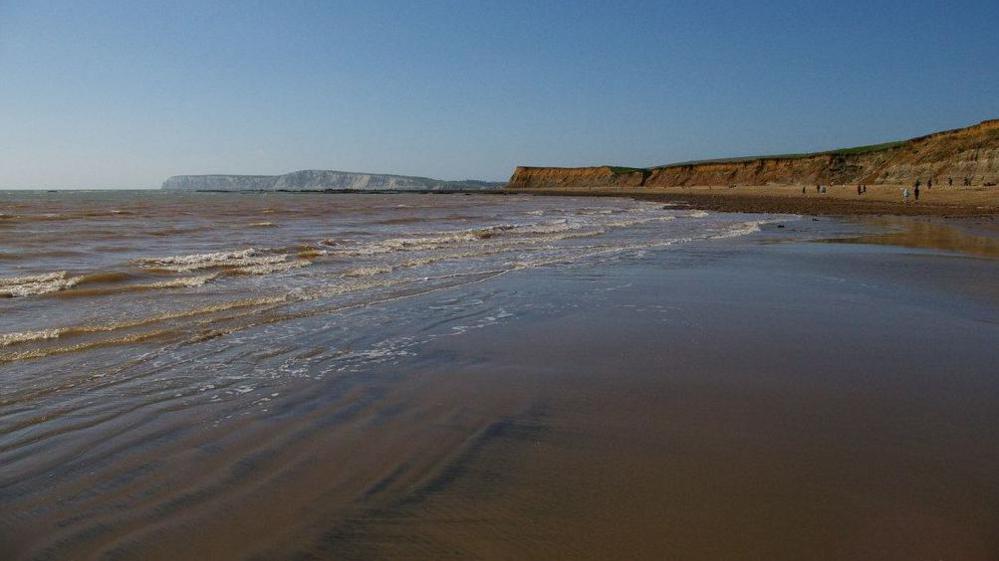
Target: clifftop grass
[(838, 152)]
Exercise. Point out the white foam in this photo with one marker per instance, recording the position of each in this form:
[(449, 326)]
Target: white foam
[(514, 234), (28, 336), (182, 263), (31, 285), (522, 243), (266, 268), (637, 221), (742, 229), (29, 279)]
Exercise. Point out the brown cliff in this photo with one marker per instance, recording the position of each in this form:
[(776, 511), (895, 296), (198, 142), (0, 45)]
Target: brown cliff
[(970, 153)]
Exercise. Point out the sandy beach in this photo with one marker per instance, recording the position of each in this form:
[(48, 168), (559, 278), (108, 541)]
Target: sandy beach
[(822, 388), (499, 281), (939, 200)]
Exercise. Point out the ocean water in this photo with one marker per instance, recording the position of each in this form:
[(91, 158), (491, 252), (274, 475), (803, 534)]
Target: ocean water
[(312, 376), (104, 275), (164, 354)]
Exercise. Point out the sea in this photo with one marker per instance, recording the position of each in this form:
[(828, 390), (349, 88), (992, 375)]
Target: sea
[(311, 376), (101, 278)]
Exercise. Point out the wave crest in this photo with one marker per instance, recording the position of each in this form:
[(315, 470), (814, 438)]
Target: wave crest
[(31, 285)]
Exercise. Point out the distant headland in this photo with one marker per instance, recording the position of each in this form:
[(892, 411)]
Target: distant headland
[(321, 180)]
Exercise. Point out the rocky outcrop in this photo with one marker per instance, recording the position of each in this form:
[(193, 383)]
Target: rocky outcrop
[(320, 180), (971, 154)]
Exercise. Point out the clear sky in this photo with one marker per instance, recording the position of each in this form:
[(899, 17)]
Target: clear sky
[(123, 94)]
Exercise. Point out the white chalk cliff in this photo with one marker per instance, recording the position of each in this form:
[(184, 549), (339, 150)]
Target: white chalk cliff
[(320, 180)]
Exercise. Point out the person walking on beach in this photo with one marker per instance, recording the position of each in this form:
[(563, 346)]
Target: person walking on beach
[(802, 189), (915, 191)]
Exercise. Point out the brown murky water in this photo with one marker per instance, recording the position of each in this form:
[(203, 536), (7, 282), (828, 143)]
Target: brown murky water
[(193, 376)]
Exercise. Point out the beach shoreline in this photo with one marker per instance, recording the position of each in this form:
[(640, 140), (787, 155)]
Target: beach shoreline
[(816, 387), (838, 200)]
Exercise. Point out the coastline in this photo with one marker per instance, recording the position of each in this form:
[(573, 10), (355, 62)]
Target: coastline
[(839, 200), (767, 396)]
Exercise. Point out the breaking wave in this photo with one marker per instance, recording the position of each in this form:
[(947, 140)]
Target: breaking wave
[(369, 261), (7, 339), (193, 262), (32, 285), (271, 267)]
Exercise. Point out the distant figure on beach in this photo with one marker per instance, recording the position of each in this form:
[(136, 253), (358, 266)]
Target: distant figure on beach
[(929, 183), (802, 189), (818, 188), (905, 195), (950, 181), (916, 191), (865, 188)]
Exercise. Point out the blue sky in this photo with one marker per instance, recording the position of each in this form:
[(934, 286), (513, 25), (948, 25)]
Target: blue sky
[(124, 94)]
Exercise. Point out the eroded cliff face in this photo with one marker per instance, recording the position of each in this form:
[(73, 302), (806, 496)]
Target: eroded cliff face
[(576, 178), (970, 153), (755, 172)]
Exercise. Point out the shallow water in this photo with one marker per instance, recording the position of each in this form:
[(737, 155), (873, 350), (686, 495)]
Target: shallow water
[(86, 270), (427, 376)]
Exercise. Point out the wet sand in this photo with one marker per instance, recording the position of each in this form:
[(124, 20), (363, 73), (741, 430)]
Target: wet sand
[(940, 200), (768, 398)]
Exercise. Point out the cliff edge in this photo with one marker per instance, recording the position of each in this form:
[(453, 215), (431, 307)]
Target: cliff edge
[(966, 156)]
